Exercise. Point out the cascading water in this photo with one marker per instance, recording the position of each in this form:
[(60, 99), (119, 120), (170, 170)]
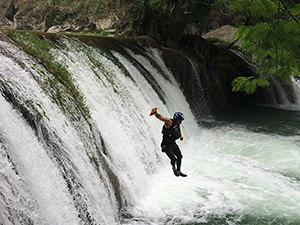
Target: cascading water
[(80, 148)]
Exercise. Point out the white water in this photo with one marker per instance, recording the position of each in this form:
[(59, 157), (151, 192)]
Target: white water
[(231, 170), (35, 163)]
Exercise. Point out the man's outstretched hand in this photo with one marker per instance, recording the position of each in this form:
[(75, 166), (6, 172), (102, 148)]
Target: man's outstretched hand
[(153, 111)]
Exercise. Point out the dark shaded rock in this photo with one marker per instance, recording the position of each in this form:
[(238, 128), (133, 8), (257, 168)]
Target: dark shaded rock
[(90, 27), (7, 9)]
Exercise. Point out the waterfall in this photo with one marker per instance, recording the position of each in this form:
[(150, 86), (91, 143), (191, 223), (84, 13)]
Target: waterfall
[(78, 145), (64, 164), (55, 159)]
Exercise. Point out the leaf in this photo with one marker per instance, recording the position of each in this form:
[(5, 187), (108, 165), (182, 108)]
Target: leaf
[(239, 83), (248, 84), (262, 82), (241, 33)]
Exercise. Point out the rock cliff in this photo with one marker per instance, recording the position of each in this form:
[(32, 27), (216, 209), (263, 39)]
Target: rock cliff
[(43, 15)]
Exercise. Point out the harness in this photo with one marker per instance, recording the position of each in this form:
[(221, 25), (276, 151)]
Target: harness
[(171, 134)]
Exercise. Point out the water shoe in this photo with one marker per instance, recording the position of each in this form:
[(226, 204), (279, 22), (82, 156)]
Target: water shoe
[(182, 174)]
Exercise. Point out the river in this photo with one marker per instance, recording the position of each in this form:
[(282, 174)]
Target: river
[(61, 164)]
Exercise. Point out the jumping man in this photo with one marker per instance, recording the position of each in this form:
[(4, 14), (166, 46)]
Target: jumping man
[(171, 132)]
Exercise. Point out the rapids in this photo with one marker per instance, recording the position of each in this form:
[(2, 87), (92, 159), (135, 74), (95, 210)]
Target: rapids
[(82, 149)]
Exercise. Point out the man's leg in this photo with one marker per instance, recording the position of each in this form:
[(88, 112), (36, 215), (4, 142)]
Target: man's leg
[(168, 150), (176, 151), (179, 156)]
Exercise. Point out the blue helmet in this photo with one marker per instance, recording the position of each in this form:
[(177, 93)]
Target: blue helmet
[(178, 116)]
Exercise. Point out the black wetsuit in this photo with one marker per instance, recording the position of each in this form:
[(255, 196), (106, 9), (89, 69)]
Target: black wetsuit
[(168, 145)]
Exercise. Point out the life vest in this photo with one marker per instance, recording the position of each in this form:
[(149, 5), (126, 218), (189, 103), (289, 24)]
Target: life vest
[(171, 134)]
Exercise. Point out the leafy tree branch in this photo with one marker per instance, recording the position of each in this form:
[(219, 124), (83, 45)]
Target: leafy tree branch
[(274, 42)]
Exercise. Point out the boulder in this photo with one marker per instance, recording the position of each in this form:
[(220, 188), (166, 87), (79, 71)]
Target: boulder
[(60, 28), (224, 33), (30, 17), (55, 29), (107, 23)]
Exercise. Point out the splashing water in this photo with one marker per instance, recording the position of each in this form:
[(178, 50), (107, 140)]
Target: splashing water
[(61, 172)]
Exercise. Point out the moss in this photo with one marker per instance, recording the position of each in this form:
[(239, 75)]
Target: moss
[(101, 33), (95, 161), (61, 83)]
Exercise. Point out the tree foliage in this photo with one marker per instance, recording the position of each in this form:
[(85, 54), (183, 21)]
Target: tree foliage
[(166, 20), (274, 42), (185, 9)]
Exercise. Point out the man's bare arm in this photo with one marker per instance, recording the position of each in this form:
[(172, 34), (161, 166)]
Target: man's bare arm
[(166, 120)]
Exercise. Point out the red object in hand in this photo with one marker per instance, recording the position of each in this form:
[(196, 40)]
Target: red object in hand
[(154, 110)]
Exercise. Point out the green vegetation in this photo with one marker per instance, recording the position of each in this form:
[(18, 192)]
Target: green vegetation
[(59, 17), (62, 10), (273, 41), (95, 161), (102, 33), (88, 6), (136, 8), (169, 18), (183, 9), (61, 82), (249, 84)]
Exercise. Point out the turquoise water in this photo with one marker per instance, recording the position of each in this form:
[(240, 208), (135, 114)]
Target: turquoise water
[(281, 120)]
